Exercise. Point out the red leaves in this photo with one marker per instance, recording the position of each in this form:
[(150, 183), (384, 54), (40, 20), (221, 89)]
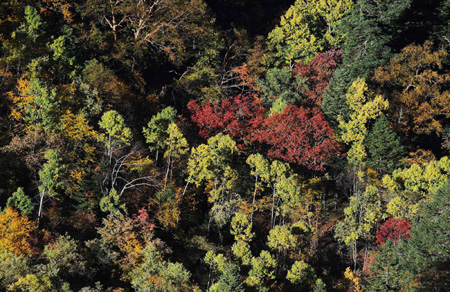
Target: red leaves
[(317, 73), (235, 116), (393, 229), (298, 135)]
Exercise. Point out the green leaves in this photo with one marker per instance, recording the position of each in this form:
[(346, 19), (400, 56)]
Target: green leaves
[(51, 174), (241, 228), (281, 239), (21, 202), (301, 272), (111, 203), (157, 131), (117, 134)]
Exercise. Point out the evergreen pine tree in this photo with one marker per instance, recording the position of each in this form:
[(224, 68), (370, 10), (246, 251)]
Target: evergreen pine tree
[(383, 146)]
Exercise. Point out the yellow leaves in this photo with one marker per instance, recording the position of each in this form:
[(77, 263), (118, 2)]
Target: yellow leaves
[(77, 129), (21, 99), (139, 163), (308, 27), (241, 228), (354, 280), (132, 245), (408, 187), (15, 232), (355, 130)]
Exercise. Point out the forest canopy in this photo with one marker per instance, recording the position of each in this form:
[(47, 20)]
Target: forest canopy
[(215, 145)]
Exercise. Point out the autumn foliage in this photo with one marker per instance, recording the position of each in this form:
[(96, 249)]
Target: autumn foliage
[(15, 232), (393, 229), (299, 135), (235, 116), (316, 74)]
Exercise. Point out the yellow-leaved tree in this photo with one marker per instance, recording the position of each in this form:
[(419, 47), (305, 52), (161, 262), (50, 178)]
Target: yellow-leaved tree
[(15, 232), (307, 28)]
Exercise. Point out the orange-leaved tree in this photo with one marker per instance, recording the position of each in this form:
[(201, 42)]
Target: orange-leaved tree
[(15, 232)]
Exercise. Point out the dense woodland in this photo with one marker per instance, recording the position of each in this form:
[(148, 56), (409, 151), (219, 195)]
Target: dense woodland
[(224, 145)]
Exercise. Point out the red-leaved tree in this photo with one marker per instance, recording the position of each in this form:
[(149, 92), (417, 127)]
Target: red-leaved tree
[(236, 116), (298, 135), (316, 74), (393, 229)]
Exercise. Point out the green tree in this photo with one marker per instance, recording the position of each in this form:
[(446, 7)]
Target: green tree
[(50, 177), (116, 135), (281, 239), (156, 274), (361, 217), (241, 250), (32, 282), (301, 273), (21, 202), (156, 132), (262, 271), (176, 146), (241, 227), (64, 261), (421, 262), (228, 281), (111, 203), (371, 30), (12, 267), (212, 163), (260, 170), (407, 187), (383, 146)]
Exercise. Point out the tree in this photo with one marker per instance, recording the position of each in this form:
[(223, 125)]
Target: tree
[(393, 229), (361, 217), (372, 31), (418, 88), (300, 273), (241, 250), (418, 262), (176, 146), (156, 274), (262, 270), (116, 135), (307, 28), (298, 135), (50, 177), (313, 77), (31, 282), (241, 228), (15, 232), (260, 169), (235, 116), (354, 131), (165, 26), (212, 163), (228, 281), (12, 267), (156, 133), (383, 146), (281, 239), (20, 202), (111, 203), (37, 105), (63, 260), (407, 187)]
